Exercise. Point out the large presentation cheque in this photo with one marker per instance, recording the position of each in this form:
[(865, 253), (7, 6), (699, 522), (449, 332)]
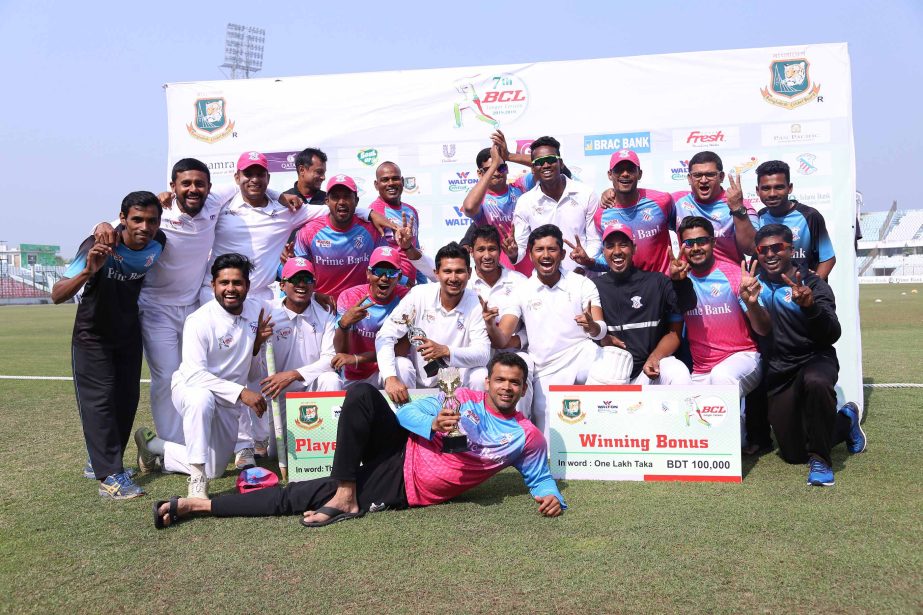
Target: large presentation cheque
[(632, 432)]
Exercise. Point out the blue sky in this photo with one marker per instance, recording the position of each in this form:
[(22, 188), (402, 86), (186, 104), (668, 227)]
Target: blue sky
[(83, 120)]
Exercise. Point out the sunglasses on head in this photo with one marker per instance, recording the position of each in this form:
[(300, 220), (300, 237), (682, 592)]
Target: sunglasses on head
[(540, 162), (772, 247), (503, 168), (301, 278), (384, 272), (696, 241)]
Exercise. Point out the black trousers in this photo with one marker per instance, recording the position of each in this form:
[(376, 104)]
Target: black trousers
[(370, 451), (107, 385), (757, 417), (804, 416)]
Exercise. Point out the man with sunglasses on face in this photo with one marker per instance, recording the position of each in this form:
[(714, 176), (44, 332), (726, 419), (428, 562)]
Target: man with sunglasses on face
[(340, 244), (719, 326), (734, 221), (492, 200), (566, 203), (361, 312), (801, 363)]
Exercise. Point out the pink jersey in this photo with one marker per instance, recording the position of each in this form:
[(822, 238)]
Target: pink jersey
[(340, 257), (650, 220), (720, 216), (717, 326), (396, 214), (361, 336), (497, 210)]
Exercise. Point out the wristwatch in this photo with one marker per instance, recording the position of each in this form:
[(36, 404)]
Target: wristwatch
[(739, 213)]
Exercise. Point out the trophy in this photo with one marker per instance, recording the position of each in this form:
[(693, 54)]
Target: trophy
[(449, 380), (415, 335)]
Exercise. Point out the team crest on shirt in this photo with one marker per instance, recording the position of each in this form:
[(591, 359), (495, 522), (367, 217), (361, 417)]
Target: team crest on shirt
[(788, 295), (716, 217), (358, 241), (646, 216), (284, 334), (534, 304), (429, 316), (149, 261), (225, 341), (636, 302), (795, 233), (254, 326), (715, 290), (571, 411), (177, 223), (459, 325)]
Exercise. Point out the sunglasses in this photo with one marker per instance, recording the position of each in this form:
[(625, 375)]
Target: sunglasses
[(540, 162), (696, 241), (772, 247), (503, 168), (384, 272), (705, 174), (301, 278)]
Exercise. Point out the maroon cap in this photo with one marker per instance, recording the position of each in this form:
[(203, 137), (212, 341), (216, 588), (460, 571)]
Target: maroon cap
[(342, 180), (248, 159), (622, 155), (295, 265), (618, 227)]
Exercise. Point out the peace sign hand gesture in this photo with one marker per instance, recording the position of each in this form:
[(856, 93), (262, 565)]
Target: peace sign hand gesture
[(490, 314), (577, 253), (801, 294), (586, 322), (263, 330), (404, 235), (734, 194), (750, 286), (509, 245), (355, 313), (679, 267)]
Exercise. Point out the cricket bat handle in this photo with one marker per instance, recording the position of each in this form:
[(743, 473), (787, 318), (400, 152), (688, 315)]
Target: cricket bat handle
[(276, 415)]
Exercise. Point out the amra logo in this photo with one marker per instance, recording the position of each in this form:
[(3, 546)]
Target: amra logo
[(211, 121), (790, 84)]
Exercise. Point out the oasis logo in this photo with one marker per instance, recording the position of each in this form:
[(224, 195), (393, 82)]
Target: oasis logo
[(368, 156)]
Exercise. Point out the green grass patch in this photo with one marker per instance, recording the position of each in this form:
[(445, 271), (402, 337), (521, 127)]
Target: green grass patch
[(769, 544)]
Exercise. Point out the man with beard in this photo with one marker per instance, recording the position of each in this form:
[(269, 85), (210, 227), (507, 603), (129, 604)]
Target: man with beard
[(811, 243), (448, 315), (562, 317), (734, 222), (394, 460), (106, 342), (643, 309), (221, 345), (390, 185), (340, 244), (362, 310), (801, 363), (566, 203), (728, 305)]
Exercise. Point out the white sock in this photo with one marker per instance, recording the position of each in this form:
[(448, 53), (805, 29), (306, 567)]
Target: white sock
[(156, 446), (197, 470)]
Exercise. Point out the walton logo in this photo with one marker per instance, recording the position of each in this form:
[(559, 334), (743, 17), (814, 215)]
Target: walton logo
[(679, 173), (462, 181), (790, 83), (211, 122), (460, 218)]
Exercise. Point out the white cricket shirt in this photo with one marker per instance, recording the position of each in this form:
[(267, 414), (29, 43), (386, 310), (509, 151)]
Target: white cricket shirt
[(303, 342)]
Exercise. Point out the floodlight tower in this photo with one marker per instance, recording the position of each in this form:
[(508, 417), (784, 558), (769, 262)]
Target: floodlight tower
[(243, 50)]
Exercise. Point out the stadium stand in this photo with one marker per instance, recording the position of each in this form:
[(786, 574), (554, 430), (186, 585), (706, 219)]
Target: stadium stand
[(907, 227)]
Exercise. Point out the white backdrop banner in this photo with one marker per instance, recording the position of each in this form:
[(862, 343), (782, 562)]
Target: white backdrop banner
[(748, 105)]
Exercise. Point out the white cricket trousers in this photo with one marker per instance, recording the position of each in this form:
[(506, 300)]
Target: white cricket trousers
[(743, 370), (672, 371), (478, 374), (572, 368), (210, 426), (162, 335)]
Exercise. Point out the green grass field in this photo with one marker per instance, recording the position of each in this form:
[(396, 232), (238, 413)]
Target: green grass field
[(767, 545)]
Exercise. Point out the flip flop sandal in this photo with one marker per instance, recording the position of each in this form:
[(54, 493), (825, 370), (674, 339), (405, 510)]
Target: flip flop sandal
[(335, 515), (174, 515)]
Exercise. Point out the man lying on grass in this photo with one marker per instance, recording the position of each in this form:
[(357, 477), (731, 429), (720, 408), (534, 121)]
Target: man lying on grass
[(394, 460)]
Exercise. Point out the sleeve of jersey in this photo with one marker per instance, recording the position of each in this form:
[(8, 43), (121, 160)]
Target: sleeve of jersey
[(593, 242), (533, 465), (823, 325), (308, 212), (589, 292), (525, 182), (682, 297), (522, 232), (194, 367), (387, 336), (417, 416), (303, 241), (669, 210), (818, 229), (600, 263), (80, 259), (311, 371)]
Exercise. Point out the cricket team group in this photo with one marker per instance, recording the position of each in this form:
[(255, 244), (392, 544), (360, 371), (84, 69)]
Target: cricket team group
[(553, 283)]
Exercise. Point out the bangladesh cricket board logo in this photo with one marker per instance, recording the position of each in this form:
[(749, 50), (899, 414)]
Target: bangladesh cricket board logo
[(211, 120), (308, 416), (571, 411), (790, 84)]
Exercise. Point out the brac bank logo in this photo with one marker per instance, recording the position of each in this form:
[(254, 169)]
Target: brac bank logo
[(603, 145), (492, 99)]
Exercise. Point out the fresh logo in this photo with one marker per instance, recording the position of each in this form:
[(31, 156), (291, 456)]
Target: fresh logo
[(706, 138), (211, 122), (790, 84), (603, 145), (368, 157)]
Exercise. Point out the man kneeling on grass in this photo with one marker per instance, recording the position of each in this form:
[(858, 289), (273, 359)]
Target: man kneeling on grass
[(387, 460)]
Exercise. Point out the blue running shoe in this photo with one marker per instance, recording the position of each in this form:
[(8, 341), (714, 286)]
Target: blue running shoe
[(819, 474), (119, 487), (855, 441)]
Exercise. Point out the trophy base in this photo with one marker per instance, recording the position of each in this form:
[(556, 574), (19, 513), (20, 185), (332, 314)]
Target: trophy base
[(455, 444), (432, 368)]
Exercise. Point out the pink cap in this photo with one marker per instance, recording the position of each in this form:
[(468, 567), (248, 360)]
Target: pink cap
[(295, 265), (342, 180), (385, 254), (624, 154), (248, 159), (252, 479), (618, 227)]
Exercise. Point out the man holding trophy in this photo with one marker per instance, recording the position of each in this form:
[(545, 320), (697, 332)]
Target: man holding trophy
[(386, 460)]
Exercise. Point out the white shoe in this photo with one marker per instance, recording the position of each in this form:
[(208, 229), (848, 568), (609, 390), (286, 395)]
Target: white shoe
[(260, 448), (198, 487), (244, 459)]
